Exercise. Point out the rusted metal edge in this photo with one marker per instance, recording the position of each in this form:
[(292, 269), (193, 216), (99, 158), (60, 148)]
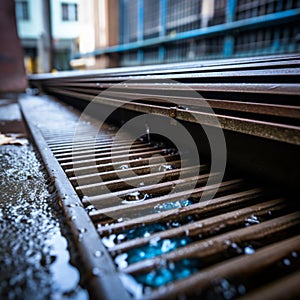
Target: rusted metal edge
[(219, 64), (248, 75), (277, 290), (100, 275), (273, 131)]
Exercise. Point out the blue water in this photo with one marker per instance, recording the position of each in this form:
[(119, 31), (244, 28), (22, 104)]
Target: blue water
[(169, 271), (155, 248), (172, 205), (174, 271)]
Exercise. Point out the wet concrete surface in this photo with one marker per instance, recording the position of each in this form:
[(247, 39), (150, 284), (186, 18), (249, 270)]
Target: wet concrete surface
[(34, 255), (10, 117)]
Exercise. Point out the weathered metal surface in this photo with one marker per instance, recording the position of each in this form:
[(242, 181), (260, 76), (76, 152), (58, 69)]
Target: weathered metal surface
[(236, 267), (243, 229), (99, 273)]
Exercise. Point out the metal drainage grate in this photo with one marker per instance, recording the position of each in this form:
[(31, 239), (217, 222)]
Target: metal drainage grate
[(244, 242)]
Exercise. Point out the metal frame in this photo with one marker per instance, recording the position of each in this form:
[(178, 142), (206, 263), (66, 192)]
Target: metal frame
[(228, 28), (99, 275)]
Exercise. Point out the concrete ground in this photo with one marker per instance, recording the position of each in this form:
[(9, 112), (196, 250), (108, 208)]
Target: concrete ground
[(34, 254)]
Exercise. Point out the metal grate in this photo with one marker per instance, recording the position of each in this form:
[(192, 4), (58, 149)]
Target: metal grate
[(282, 38), (151, 18), (243, 242), (183, 15), (249, 9)]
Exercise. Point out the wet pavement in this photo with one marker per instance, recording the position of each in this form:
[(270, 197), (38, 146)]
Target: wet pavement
[(34, 255)]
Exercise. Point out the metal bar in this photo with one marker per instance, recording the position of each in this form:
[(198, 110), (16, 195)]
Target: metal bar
[(204, 227), (229, 38), (291, 111), (92, 145), (278, 290), (170, 68), (90, 189), (70, 145), (204, 208), (107, 159), (99, 269), (275, 131), (136, 209), (113, 165), (113, 174), (245, 73), (99, 149), (155, 190), (98, 153), (235, 267), (102, 152), (261, 88), (62, 144)]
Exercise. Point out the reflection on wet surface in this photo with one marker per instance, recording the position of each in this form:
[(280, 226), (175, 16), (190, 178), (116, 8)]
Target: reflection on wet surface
[(33, 254)]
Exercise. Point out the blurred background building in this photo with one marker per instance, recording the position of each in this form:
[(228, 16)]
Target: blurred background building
[(108, 33), (48, 30)]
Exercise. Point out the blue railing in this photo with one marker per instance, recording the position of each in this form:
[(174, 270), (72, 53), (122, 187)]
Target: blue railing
[(276, 27)]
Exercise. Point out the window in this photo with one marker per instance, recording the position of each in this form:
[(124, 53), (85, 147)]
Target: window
[(22, 10), (69, 11)]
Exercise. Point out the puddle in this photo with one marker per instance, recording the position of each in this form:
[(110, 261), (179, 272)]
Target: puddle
[(172, 205), (33, 253), (173, 271), (156, 247)]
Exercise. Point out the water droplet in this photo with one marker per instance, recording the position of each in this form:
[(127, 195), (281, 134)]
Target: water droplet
[(252, 220), (82, 230), (123, 167), (96, 271), (97, 253), (286, 262), (171, 265), (167, 246), (80, 237), (90, 208), (85, 199), (237, 248), (154, 241), (120, 260), (175, 224), (294, 254), (165, 167), (73, 218), (249, 250), (121, 237), (148, 133), (241, 289), (109, 241)]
